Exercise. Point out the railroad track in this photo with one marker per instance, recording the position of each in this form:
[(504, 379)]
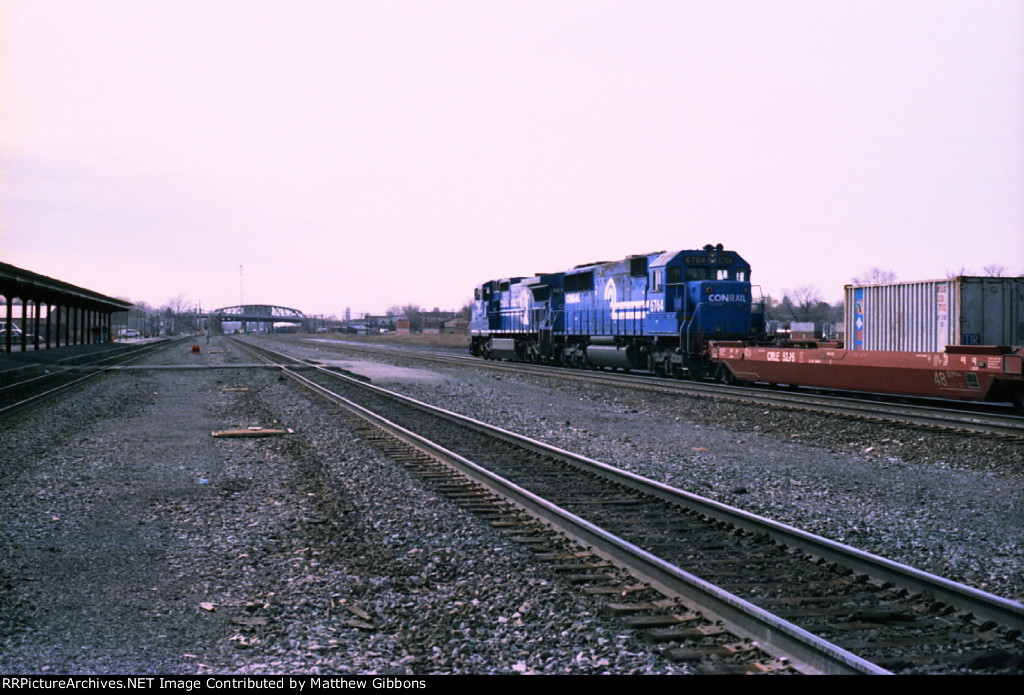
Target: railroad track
[(808, 602), (46, 382), (946, 417)]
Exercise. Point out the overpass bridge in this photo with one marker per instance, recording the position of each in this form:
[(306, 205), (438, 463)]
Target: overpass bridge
[(263, 316)]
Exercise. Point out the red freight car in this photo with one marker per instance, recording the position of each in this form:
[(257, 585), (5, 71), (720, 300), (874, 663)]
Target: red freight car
[(976, 373)]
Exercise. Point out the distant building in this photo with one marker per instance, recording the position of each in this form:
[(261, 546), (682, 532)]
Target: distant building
[(457, 326)]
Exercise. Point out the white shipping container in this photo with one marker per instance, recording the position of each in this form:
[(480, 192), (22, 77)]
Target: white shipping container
[(927, 316)]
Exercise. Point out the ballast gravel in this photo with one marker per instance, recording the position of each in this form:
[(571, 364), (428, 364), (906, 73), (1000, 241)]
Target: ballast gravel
[(947, 503), (133, 541)]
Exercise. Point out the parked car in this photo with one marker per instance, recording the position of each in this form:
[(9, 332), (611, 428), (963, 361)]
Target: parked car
[(15, 331)]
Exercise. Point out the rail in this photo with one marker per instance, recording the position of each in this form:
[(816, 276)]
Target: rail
[(981, 605)]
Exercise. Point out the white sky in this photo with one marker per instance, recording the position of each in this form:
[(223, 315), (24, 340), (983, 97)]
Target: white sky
[(370, 153)]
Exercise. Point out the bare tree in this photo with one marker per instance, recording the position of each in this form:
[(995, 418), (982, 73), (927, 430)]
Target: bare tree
[(995, 270), (875, 276), (414, 313), (804, 304), (173, 312)]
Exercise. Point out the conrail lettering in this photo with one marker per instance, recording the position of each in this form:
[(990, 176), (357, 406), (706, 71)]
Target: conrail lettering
[(727, 298)]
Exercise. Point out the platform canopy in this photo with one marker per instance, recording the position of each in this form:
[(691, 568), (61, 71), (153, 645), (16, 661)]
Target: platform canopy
[(33, 287)]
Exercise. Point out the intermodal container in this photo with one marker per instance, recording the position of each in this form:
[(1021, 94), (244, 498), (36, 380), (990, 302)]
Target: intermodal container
[(928, 316)]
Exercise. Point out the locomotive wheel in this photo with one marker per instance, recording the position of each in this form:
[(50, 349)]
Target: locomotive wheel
[(662, 367)]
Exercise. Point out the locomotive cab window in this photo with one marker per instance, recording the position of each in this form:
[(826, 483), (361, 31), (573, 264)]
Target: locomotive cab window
[(675, 275), (656, 280), (723, 274)]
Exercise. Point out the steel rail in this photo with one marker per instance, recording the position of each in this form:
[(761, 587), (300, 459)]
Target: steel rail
[(859, 408), (92, 371), (52, 370), (980, 603), (976, 601), (778, 637)]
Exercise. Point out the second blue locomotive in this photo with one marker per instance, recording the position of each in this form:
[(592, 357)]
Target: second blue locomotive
[(652, 311)]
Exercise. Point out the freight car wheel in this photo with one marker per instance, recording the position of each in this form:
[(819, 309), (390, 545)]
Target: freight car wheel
[(1017, 399), (725, 375)]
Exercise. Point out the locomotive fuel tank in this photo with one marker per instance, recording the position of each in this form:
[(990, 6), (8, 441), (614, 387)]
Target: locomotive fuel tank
[(603, 352)]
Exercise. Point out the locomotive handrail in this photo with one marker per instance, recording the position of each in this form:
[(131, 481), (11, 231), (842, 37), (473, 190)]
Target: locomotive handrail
[(685, 327)]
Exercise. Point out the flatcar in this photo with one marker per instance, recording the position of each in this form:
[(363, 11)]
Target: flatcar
[(961, 372), (653, 311)]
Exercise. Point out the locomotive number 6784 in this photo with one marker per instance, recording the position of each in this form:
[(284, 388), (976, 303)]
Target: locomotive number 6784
[(652, 311)]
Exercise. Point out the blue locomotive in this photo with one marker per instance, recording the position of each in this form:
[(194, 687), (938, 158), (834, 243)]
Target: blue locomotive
[(653, 311)]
